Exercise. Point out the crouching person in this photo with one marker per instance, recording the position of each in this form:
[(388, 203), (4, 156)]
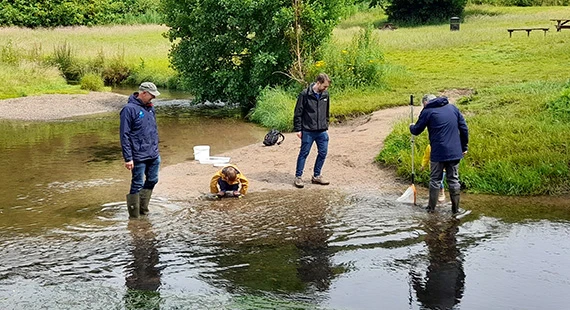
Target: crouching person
[(229, 181), (139, 142)]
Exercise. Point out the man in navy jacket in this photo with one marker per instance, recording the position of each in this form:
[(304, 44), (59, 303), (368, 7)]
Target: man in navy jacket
[(448, 138), (139, 142)]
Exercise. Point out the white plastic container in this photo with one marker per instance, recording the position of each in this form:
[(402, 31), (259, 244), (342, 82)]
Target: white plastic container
[(216, 161), (201, 152)]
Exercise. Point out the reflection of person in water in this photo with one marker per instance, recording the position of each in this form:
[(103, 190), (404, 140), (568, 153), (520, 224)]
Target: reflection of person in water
[(444, 282), (143, 275)]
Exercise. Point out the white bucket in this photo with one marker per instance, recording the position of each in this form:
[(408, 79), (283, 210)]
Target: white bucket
[(201, 152)]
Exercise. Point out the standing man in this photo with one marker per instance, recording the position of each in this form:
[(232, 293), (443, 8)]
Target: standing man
[(311, 122), (139, 141), (448, 138)]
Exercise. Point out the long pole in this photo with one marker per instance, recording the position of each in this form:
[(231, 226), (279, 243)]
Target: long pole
[(412, 120)]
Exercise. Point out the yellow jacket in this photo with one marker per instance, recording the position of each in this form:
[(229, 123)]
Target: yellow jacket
[(425, 159), (240, 178)]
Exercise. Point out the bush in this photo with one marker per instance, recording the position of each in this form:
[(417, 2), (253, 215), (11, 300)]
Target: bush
[(424, 11), (63, 57), (92, 81), (50, 13), (274, 109), (358, 65)]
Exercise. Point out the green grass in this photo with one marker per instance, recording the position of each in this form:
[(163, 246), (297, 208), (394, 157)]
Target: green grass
[(143, 48)]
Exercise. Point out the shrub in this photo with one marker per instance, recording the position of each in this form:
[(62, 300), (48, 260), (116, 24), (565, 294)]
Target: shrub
[(63, 57), (274, 109), (424, 11), (358, 65), (92, 81)]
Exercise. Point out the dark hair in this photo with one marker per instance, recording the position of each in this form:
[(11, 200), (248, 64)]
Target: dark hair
[(322, 77), (230, 173)]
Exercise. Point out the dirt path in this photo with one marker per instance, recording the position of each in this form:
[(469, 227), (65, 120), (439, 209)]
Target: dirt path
[(349, 165)]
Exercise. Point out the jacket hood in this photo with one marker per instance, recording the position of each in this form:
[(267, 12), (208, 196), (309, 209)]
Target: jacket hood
[(134, 99), (437, 102)]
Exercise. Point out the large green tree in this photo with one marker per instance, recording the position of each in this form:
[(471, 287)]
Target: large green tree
[(230, 50), (421, 11)]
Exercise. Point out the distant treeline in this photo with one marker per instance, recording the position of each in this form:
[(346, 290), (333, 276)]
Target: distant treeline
[(522, 2), (53, 13)]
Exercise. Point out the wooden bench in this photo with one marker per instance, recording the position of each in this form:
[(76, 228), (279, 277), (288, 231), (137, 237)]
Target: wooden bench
[(528, 30), (561, 24)]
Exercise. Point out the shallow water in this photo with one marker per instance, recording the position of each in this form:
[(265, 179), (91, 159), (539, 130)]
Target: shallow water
[(67, 242)]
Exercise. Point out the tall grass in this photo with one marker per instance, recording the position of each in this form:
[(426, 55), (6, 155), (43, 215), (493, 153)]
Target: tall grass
[(142, 49)]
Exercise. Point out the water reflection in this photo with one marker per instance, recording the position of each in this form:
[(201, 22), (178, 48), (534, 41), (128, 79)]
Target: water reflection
[(272, 242), (444, 281), (143, 274)]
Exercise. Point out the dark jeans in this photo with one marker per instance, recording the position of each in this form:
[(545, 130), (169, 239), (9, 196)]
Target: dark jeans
[(225, 186), (451, 171), (321, 138), (148, 168)]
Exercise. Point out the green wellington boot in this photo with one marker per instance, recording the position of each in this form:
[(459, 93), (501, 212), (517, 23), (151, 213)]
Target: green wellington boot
[(145, 200), (432, 201), (454, 197), (133, 205)]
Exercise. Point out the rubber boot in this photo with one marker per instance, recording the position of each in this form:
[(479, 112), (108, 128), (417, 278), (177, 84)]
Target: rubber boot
[(432, 202), (145, 200), (133, 205), (454, 196)]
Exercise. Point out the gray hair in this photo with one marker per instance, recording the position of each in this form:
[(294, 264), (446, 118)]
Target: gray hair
[(427, 98)]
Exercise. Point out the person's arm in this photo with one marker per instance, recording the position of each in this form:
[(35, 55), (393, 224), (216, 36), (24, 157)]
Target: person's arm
[(125, 133), (298, 114), (214, 183), (463, 132), (244, 184), (417, 128)]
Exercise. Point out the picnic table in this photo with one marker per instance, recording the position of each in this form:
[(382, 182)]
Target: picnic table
[(528, 30), (561, 23)]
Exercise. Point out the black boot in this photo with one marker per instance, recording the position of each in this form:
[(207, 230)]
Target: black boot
[(454, 196), (145, 200), (133, 205), (432, 202)]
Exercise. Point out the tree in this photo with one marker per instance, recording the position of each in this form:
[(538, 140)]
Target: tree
[(421, 11), (231, 49)]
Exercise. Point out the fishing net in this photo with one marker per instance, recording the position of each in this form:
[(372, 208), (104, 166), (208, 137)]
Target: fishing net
[(409, 196)]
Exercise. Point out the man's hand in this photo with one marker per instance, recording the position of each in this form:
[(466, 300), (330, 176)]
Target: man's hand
[(237, 193), (300, 134), (129, 165), (221, 193)]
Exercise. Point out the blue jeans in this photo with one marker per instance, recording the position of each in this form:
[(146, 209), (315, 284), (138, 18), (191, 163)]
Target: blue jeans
[(148, 168), (322, 140)]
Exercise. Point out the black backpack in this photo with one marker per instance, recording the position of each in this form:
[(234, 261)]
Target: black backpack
[(272, 137)]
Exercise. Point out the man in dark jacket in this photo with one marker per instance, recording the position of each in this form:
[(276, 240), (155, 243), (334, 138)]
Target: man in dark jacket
[(448, 138), (139, 141), (311, 122)]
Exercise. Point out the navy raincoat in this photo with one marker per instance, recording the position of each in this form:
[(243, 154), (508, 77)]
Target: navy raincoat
[(448, 133), (138, 130)]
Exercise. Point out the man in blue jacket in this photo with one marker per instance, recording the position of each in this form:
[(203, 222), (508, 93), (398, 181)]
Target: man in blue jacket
[(448, 138), (139, 141)]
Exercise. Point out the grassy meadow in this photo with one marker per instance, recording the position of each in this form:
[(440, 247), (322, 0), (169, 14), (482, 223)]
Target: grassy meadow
[(26, 53), (518, 145)]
